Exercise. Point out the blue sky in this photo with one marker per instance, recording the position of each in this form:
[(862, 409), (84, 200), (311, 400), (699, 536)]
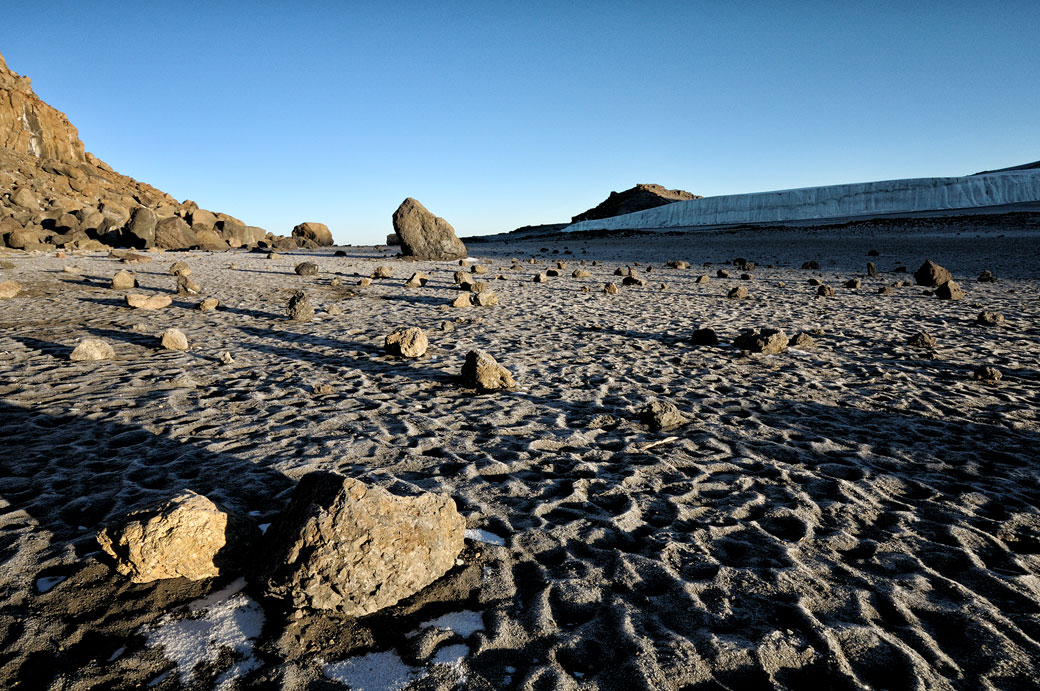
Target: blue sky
[(496, 118)]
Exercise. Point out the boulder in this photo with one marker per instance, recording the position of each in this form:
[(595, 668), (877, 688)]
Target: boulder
[(418, 280), (200, 219), (541, 277), (392, 240), (299, 308), (24, 197), (148, 302), (703, 278), (610, 289), (704, 337), (661, 415), (464, 300), (482, 371), (581, 273), (987, 318), (766, 341), (949, 290), (678, 264), (174, 234), (803, 341), (186, 286), (383, 272), (124, 280), (931, 274), (478, 269), (8, 289), (872, 270), (210, 240), (825, 291), (318, 233), (306, 269), (853, 284), (485, 298), (208, 305), (187, 536), (173, 339), (235, 233), (987, 277), (410, 342), (738, 293), (180, 269), (89, 349), (354, 549), (921, 339), (425, 236)]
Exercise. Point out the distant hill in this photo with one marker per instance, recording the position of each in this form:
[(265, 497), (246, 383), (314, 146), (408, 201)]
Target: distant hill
[(1025, 166), (639, 198)]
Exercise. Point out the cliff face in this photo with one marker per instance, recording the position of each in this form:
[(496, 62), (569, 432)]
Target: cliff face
[(30, 126), (639, 198)]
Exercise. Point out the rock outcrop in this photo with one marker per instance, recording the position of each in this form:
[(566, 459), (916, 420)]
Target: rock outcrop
[(639, 198), (425, 236)]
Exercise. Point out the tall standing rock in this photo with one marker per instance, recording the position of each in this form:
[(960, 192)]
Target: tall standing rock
[(931, 274), (355, 549), (425, 236), (139, 232)]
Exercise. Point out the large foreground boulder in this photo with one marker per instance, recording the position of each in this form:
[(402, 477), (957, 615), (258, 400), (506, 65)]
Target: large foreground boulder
[(425, 236), (186, 537), (344, 546), (317, 233)]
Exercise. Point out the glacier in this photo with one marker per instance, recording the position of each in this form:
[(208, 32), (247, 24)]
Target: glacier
[(911, 195)]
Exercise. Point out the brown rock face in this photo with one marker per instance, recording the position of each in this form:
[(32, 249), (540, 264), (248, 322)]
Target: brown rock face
[(931, 274), (344, 546), (174, 234), (318, 233), (30, 126), (425, 236), (181, 538), (639, 198)]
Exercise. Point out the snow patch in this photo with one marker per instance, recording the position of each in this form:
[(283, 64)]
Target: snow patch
[(373, 672), (47, 582), (480, 535)]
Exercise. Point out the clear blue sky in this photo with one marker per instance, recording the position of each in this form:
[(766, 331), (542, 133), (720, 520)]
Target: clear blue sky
[(498, 117)]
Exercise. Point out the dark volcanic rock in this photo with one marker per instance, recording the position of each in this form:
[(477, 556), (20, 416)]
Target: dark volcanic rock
[(931, 274), (638, 198), (425, 236), (704, 337), (766, 341)]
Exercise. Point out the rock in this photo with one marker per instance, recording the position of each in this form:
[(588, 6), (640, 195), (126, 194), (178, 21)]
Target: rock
[(483, 372), (334, 310), (722, 273), (922, 339), (950, 290), (987, 277), (815, 282), (299, 308), (873, 253), (986, 373), (208, 305), (632, 280), (542, 277), (225, 357), (148, 302), (139, 232), (476, 286), (766, 341), (872, 270), (410, 342), (8, 289), (661, 415), (610, 289), (678, 265), (704, 337), (853, 283), (391, 241), (364, 282), (746, 277), (210, 240), (425, 236), (383, 272), (133, 258), (738, 293), (186, 286), (186, 537), (931, 274), (825, 291), (703, 278), (478, 269), (460, 277), (124, 280), (812, 265), (306, 269), (89, 349), (273, 255), (990, 318), (552, 273), (464, 300), (580, 273), (24, 197), (417, 280), (346, 547), (317, 233), (622, 272), (174, 234), (180, 269), (803, 341), (886, 290), (487, 298), (173, 339)]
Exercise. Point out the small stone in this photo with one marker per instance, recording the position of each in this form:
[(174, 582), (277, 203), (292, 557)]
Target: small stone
[(552, 273), (602, 421), (208, 305), (722, 273), (661, 415), (417, 280), (825, 291), (365, 282), (704, 337), (478, 269), (144, 302), (987, 277), (173, 339), (703, 278), (580, 273), (610, 289), (383, 272), (922, 339), (306, 269), (75, 270), (124, 280), (738, 293), (487, 298), (853, 283), (621, 272), (180, 269), (803, 341), (815, 282), (186, 537), (950, 290), (463, 300), (483, 372), (746, 277), (90, 349), (226, 358), (336, 282), (632, 280), (273, 255), (986, 373), (334, 310), (186, 286), (410, 342), (872, 270), (766, 341), (678, 264), (541, 277), (886, 290), (476, 286), (8, 289), (986, 318), (931, 275), (299, 308), (811, 265), (132, 258)]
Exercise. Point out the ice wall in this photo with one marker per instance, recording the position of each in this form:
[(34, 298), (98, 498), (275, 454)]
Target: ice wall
[(835, 201)]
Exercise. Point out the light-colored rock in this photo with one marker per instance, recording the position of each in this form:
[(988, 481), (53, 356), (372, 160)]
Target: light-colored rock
[(383, 272), (464, 300), (8, 289), (89, 349), (186, 286), (610, 289), (173, 339), (208, 305), (410, 342), (317, 233), (482, 371), (425, 236), (418, 280), (354, 549), (185, 537), (148, 302), (124, 280), (485, 298), (738, 293)]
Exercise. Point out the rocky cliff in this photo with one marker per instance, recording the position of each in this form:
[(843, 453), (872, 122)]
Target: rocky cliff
[(639, 198)]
